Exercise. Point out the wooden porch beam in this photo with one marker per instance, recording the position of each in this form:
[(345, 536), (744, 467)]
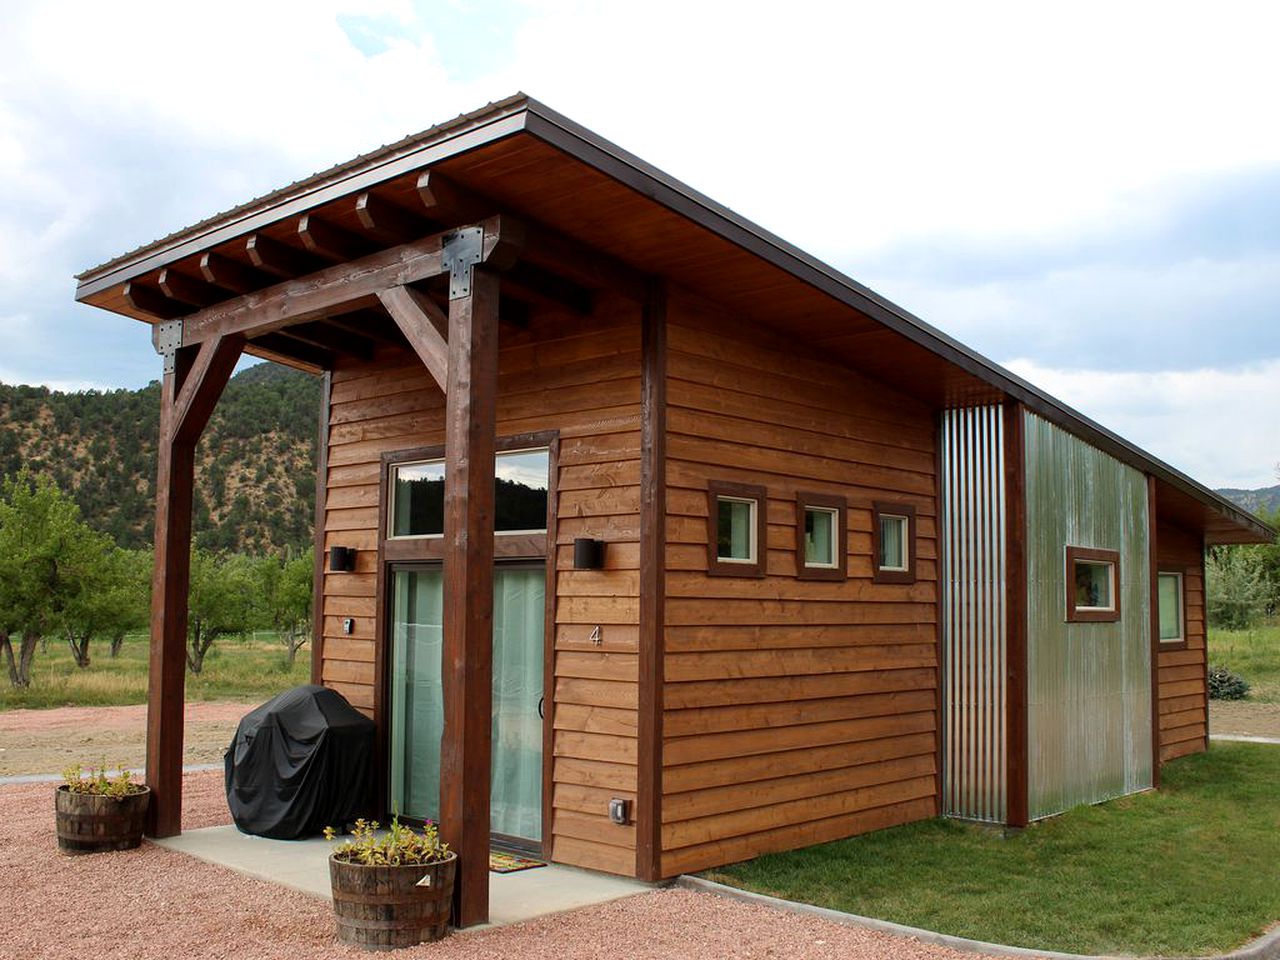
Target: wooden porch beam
[(470, 418), (343, 287), (424, 325), (282, 343), (193, 380), (320, 333)]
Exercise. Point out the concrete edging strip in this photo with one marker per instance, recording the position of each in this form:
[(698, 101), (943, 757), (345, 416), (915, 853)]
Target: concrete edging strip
[(57, 778), (1265, 947)]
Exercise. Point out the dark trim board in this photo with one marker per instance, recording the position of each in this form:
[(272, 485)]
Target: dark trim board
[(653, 538), (1153, 625), (322, 488), (1015, 473)]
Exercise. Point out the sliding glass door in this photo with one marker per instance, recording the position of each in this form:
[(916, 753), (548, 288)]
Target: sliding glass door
[(417, 703)]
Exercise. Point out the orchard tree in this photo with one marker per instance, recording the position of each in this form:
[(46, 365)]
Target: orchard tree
[(138, 566), (107, 604), (221, 602), (48, 558), (284, 598)]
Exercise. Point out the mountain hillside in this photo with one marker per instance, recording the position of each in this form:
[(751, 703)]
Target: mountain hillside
[(1265, 500), (255, 467)]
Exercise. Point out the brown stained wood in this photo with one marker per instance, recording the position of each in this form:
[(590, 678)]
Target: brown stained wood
[(149, 300), (278, 259), (184, 289), (470, 425), (325, 239), (739, 744), (423, 325), (336, 340), (1153, 622), (340, 288), (652, 611), (187, 398), (388, 221), (228, 274), (283, 346), (321, 553)]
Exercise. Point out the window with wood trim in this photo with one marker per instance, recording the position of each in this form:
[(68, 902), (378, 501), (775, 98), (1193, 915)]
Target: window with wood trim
[(1172, 609), (820, 537), (736, 544), (1092, 585), (893, 542)]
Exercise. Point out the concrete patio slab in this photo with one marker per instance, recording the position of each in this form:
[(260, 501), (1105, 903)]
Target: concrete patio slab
[(303, 865)]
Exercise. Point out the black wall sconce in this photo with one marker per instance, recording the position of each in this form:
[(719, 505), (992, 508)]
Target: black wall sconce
[(342, 559), (588, 554)]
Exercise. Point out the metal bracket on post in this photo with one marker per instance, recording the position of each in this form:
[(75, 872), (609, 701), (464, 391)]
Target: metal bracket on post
[(167, 338), (459, 252)]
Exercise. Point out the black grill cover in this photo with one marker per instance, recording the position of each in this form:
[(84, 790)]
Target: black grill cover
[(298, 763)]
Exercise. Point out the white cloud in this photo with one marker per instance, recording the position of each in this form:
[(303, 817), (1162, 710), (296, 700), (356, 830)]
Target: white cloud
[(1218, 425)]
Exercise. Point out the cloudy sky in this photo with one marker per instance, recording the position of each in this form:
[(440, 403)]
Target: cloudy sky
[(1087, 193)]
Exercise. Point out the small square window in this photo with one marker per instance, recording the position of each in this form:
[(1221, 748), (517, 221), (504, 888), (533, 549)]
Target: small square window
[(893, 535), (735, 530), (820, 537), (1093, 585), (1172, 623)]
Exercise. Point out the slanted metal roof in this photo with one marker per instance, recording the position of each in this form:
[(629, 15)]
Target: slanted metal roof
[(1183, 498)]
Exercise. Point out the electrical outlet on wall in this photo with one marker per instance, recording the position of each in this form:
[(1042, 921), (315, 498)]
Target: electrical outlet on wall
[(619, 810)]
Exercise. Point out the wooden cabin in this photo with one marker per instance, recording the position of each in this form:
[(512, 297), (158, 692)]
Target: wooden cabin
[(652, 543)]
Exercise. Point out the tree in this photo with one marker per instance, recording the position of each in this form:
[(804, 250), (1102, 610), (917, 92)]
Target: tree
[(284, 598), (220, 602), (107, 604), (47, 557), (1237, 587), (138, 567)]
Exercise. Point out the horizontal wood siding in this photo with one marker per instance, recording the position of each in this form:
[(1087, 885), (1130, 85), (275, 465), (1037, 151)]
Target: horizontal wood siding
[(577, 375), (1183, 691), (795, 711)]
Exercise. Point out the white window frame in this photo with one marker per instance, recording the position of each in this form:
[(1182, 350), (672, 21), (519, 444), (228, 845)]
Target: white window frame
[(752, 525), (1111, 585), (1182, 609), (905, 522), (836, 544)]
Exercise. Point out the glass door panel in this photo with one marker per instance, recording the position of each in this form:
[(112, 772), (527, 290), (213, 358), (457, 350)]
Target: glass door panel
[(417, 705)]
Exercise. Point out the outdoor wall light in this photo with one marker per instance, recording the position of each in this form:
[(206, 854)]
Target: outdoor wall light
[(588, 554), (342, 559)]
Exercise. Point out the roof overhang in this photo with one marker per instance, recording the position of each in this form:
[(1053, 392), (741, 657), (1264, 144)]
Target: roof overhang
[(537, 163)]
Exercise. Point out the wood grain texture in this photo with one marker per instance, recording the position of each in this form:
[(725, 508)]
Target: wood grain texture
[(1182, 691), (580, 377), (795, 710)]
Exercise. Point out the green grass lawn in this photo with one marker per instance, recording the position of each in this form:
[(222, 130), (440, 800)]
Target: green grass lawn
[(1192, 868), (1254, 654), (237, 668)]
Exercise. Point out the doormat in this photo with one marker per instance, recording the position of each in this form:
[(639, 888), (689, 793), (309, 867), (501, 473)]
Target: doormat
[(510, 863)]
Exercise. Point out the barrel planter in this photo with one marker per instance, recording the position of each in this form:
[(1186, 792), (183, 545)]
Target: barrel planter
[(91, 823), (385, 907)]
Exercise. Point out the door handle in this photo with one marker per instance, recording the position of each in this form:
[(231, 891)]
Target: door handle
[(540, 715)]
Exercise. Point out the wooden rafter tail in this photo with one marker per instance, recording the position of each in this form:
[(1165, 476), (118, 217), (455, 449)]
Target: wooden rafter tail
[(184, 289), (278, 259), (389, 221), (446, 200), (424, 325), (151, 301), (325, 239), (231, 274)]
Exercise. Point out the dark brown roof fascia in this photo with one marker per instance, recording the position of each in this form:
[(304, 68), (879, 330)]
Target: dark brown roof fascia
[(648, 180)]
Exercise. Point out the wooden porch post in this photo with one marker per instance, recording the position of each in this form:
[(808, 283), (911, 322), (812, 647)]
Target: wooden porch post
[(193, 381), (470, 411)]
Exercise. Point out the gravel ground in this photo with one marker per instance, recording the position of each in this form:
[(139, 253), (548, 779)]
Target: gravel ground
[(1244, 718), (153, 903), (47, 741)]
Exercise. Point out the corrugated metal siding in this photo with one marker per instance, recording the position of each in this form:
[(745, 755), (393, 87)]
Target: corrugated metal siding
[(973, 628), (1089, 684)]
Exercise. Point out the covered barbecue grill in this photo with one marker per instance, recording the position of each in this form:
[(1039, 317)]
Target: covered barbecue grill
[(298, 763)]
